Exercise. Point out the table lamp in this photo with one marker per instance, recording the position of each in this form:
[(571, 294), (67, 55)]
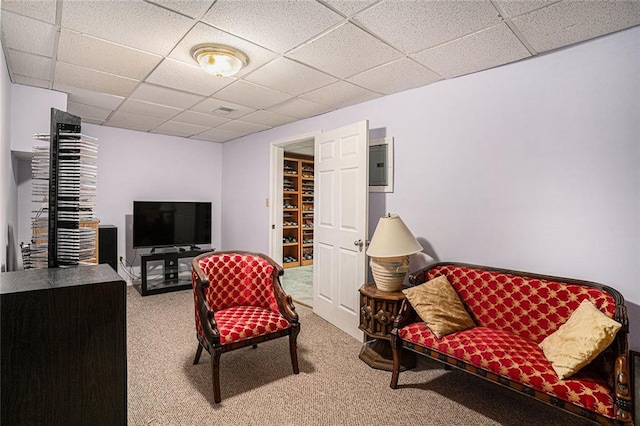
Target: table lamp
[(389, 250)]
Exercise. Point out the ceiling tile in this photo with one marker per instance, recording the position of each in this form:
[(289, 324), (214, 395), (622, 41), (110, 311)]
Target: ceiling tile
[(203, 33), (349, 7), (149, 109), (200, 119), (93, 121), (191, 8), (42, 10), (242, 127), (480, 51), (253, 95), (345, 51), (513, 8), (278, 26), (218, 135), (29, 65), (204, 137), (90, 52), (165, 96), (87, 97), (27, 35), (73, 75), (289, 77), (416, 25), (340, 94), (267, 118), (88, 112), (300, 108), (131, 23), (221, 108), (174, 128), (569, 22), (192, 78), (125, 120), (395, 77), (30, 81)]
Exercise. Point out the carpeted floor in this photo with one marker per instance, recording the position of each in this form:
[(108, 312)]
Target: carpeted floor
[(333, 388), (298, 282)]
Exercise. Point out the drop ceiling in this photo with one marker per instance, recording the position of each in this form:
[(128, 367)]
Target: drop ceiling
[(127, 64)]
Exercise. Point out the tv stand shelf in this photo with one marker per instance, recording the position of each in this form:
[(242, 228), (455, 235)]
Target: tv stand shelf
[(175, 271)]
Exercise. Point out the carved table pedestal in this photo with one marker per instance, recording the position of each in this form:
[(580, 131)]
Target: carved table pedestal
[(378, 310)]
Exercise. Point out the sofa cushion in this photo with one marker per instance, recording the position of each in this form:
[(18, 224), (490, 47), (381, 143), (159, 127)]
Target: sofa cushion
[(580, 340), (516, 359), (529, 307), (438, 305)]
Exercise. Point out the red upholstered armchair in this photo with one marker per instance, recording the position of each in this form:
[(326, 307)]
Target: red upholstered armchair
[(239, 302)]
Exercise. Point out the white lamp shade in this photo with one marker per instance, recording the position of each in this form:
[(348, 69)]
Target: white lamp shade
[(392, 238)]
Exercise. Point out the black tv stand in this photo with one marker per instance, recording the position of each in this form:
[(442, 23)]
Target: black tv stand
[(172, 277), (195, 248)]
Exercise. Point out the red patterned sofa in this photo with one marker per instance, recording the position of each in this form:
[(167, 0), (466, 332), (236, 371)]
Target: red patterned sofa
[(513, 312)]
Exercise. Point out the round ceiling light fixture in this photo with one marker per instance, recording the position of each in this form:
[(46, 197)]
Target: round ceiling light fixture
[(219, 60)]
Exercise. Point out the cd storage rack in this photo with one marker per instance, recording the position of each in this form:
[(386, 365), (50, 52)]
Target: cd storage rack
[(64, 228)]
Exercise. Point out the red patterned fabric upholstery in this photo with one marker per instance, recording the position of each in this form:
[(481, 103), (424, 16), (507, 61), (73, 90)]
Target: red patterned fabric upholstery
[(516, 358), (244, 322), (528, 307), (237, 280)]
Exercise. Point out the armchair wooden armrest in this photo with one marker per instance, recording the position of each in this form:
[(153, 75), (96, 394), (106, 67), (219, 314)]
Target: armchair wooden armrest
[(406, 315), (284, 301), (207, 319), (623, 392), (420, 276)]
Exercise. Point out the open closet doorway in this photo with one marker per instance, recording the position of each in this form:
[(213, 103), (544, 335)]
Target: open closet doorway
[(292, 215), (339, 218)]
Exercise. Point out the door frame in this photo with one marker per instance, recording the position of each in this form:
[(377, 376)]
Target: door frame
[(275, 200)]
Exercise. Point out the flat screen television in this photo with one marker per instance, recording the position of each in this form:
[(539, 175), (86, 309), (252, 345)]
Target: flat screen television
[(171, 223)]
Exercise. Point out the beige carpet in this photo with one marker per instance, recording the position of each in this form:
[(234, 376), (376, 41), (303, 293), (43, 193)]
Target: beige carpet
[(333, 388)]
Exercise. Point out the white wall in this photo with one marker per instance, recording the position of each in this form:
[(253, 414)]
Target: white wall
[(145, 166), (8, 221), (530, 166), (31, 113)]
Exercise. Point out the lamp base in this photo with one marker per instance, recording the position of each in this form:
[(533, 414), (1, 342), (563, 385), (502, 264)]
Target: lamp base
[(389, 272)]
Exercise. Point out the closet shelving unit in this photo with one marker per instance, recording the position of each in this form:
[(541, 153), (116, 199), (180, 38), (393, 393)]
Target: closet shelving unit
[(64, 228), (307, 188), (297, 214)]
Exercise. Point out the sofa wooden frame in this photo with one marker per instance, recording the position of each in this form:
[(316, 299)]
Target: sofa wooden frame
[(621, 370)]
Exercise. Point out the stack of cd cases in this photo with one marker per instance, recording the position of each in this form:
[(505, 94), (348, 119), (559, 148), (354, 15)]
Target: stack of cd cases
[(66, 199)]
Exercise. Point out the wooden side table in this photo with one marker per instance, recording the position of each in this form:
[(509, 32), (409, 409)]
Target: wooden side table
[(378, 310)]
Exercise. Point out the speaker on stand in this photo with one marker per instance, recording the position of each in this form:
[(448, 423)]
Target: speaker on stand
[(108, 245)]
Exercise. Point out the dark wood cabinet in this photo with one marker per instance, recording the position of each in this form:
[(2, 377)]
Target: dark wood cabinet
[(63, 347)]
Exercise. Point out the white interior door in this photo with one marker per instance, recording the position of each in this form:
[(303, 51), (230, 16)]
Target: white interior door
[(340, 224)]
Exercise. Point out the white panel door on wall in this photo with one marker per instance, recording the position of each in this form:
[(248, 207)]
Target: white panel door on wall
[(340, 224)]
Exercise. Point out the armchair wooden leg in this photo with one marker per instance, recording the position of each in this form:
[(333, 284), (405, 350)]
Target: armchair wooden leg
[(397, 358), (254, 346), (293, 349), (215, 374), (198, 353)]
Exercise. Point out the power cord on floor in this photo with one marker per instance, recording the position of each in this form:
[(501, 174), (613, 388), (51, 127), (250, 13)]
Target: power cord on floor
[(127, 267)]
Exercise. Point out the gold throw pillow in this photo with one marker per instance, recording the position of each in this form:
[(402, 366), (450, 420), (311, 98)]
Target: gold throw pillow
[(580, 340), (438, 305)]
